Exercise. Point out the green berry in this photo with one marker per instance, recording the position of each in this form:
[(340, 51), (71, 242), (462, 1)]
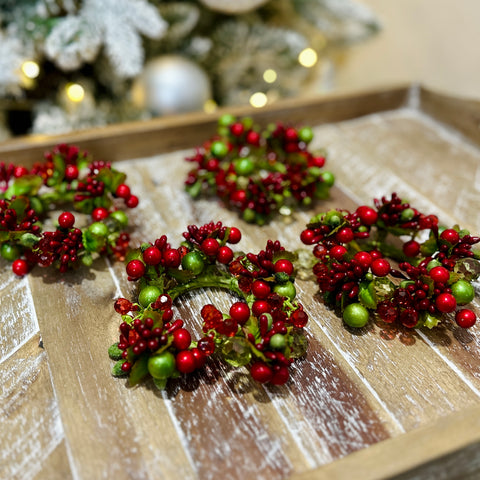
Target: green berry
[(161, 366), (277, 341), (99, 229), (121, 217), (286, 289), (305, 134), (244, 166), (193, 262), (407, 215), (219, 149), (328, 178), (148, 295), (355, 315), (463, 292), (226, 120), (9, 252)]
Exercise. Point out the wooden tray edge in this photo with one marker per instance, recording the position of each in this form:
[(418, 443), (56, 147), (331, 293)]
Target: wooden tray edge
[(445, 449)]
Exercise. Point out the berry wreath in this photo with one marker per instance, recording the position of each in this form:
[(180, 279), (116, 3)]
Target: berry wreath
[(259, 172), (433, 277), (66, 178), (263, 330)]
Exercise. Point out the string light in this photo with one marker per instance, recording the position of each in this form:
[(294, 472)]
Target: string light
[(308, 57), (270, 75), (30, 69), (258, 100), (75, 92), (210, 106)]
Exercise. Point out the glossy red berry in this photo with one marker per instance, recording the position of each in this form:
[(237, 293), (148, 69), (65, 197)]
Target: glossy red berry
[(234, 236), (338, 252), (131, 201), (380, 267), (259, 307), (261, 289), (66, 220), (308, 236), (240, 312), (283, 266), (185, 361), (439, 274), (450, 235), (199, 357), (123, 191), (411, 248), (465, 318), (253, 138), (20, 267), (172, 258), (99, 214), (126, 367), (367, 215), (20, 172), (210, 247), (225, 255), (446, 303), (363, 258), (152, 256), (237, 129), (71, 172), (345, 235), (135, 269), (182, 339), (261, 372)]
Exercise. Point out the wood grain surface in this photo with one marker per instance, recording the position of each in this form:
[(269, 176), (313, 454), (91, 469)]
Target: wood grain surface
[(378, 402)]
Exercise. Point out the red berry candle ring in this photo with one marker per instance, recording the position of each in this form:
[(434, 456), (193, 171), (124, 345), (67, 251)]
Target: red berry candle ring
[(263, 328), (66, 178), (426, 279), (259, 173)]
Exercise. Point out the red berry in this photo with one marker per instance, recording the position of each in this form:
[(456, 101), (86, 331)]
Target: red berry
[(411, 248), (20, 172), (20, 267), (238, 198), (439, 274), (240, 312), (237, 129), (299, 318), (99, 214), (210, 246), (446, 303), (363, 258), (261, 372), (253, 138), (172, 258), (234, 236), (123, 191), (185, 361), (206, 345), (316, 162), (225, 255), (367, 215), (345, 235), (261, 289), (283, 266), (135, 269), (181, 339), (131, 201), (376, 254), (66, 220), (450, 235), (338, 252), (71, 172), (465, 318), (280, 376), (291, 134), (259, 307), (307, 236), (126, 367), (152, 256), (380, 267), (199, 357)]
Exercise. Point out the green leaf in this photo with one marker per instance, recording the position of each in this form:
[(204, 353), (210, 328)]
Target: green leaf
[(383, 287), (160, 383), (430, 321), (28, 240), (111, 178), (58, 172), (28, 185), (92, 242), (20, 205), (367, 295), (139, 370)]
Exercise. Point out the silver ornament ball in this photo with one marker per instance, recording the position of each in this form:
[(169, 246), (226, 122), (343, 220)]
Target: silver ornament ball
[(171, 84)]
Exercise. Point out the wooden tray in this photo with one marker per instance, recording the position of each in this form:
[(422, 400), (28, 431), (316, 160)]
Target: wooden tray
[(371, 405)]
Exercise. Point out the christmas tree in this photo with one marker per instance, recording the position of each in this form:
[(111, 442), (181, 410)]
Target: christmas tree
[(70, 64)]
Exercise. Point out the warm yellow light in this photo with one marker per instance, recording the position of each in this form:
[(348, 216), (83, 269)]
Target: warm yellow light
[(270, 75), (75, 92), (308, 57), (30, 69), (210, 106), (258, 100)]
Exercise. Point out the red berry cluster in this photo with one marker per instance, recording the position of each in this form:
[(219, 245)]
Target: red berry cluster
[(259, 172), (426, 280), (65, 176), (263, 331)]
